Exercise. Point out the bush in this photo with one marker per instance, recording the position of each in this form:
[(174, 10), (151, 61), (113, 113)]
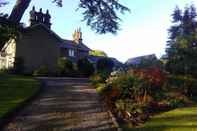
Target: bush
[(186, 84), (124, 83), (85, 68), (65, 67), (100, 88), (105, 65), (18, 66), (42, 71), (174, 103)]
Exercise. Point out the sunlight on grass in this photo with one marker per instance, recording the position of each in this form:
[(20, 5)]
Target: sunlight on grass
[(14, 90), (182, 119)]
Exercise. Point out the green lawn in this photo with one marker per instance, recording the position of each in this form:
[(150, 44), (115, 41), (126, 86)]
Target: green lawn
[(182, 119), (14, 90)]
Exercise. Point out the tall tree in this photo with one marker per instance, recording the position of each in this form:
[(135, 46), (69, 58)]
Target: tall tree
[(182, 44), (98, 53), (100, 15)]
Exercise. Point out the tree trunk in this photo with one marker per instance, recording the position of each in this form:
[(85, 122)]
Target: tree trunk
[(19, 10)]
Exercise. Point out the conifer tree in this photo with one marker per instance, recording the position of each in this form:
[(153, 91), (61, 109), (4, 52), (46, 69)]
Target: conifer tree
[(182, 45)]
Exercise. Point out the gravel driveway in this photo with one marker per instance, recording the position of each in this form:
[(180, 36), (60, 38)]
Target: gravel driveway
[(65, 104)]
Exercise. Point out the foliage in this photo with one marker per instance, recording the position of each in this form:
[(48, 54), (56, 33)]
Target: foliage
[(14, 90), (105, 65), (65, 67), (19, 66), (95, 79), (100, 88), (182, 46), (155, 76), (148, 63), (185, 84), (174, 103), (136, 94), (42, 71), (100, 15), (84, 67), (134, 113), (181, 119), (8, 30), (99, 77), (98, 53)]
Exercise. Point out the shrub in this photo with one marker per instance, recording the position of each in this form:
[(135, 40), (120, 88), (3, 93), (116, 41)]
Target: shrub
[(105, 65), (19, 66), (186, 84), (85, 68), (42, 71), (154, 76), (99, 78), (65, 67), (174, 103), (100, 88), (95, 79)]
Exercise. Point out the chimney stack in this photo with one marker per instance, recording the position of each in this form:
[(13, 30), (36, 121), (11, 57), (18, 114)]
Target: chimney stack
[(77, 36), (40, 17)]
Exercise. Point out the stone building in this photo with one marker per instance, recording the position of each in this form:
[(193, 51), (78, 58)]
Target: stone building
[(39, 46)]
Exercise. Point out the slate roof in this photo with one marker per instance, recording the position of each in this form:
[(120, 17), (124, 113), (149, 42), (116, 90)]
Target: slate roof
[(94, 59), (137, 60), (63, 43), (73, 45)]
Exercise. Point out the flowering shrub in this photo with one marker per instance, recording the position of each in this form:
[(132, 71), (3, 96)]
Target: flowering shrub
[(136, 94), (155, 76)]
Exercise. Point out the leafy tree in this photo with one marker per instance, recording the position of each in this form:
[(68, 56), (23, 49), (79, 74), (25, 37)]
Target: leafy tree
[(65, 67), (98, 53), (105, 65), (8, 29), (84, 67), (100, 15), (182, 45)]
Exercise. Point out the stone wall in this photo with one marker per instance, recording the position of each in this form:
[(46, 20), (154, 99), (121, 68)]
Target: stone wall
[(38, 48)]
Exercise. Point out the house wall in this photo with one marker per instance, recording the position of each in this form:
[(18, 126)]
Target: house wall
[(78, 53), (8, 57), (38, 48), (81, 53), (2, 63)]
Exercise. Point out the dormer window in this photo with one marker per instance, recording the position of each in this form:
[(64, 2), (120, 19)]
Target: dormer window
[(71, 52)]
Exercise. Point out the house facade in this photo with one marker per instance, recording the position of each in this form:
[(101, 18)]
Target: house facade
[(39, 46)]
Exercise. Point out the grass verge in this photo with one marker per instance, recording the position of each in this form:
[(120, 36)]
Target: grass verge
[(181, 119), (14, 90)]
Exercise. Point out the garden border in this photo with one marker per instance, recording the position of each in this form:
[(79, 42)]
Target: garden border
[(114, 120), (10, 114)]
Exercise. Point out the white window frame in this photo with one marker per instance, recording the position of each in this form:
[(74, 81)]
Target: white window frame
[(71, 52)]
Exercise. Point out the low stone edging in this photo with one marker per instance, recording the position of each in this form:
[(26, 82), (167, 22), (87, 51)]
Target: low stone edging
[(114, 121), (10, 114)]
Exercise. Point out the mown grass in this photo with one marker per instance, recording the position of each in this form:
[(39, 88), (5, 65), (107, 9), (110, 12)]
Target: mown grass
[(14, 90), (181, 119)]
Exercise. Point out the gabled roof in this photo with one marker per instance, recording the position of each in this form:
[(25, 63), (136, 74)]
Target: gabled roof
[(72, 44), (94, 59), (137, 60), (63, 43), (45, 28)]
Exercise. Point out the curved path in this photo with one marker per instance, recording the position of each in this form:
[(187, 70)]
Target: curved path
[(65, 104)]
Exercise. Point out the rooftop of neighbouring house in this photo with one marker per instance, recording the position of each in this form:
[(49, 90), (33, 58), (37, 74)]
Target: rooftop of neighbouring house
[(137, 60)]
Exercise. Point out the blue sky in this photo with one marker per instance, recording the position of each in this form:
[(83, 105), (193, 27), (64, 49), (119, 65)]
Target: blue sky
[(143, 31)]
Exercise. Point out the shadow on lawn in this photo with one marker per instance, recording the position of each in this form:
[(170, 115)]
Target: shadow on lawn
[(165, 128), (176, 122)]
